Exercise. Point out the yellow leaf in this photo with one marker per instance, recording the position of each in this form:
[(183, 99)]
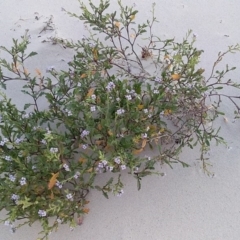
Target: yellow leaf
[(90, 170), (99, 142), (53, 180), (117, 24), (161, 130), (144, 142), (25, 71), (176, 76), (95, 54), (38, 72), (140, 106), (83, 75), (110, 133), (86, 210), (132, 17), (137, 151), (167, 112), (82, 160), (132, 35), (90, 92), (99, 127), (52, 195)]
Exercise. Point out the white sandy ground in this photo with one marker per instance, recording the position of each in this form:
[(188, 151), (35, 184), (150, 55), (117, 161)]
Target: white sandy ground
[(186, 204)]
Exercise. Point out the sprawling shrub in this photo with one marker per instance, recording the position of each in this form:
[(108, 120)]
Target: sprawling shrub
[(126, 89)]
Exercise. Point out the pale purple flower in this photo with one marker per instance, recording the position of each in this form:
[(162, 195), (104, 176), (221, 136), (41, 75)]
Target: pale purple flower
[(149, 115), (2, 143), (84, 146), (145, 110), (15, 197), (144, 135), (104, 162), (18, 140), (120, 193), (110, 168), (100, 165), (120, 111), (66, 167), (23, 181), (76, 175), (128, 97), (43, 141), (123, 167), (69, 196), (117, 160), (155, 91), (58, 184), (110, 86), (8, 158), (12, 178), (93, 97), (84, 133), (93, 108), (42, 213), (69, 113), (157, 79), (53, 150), (118, 99)]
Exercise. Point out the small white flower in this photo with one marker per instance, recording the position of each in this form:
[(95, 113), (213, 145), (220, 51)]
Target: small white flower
[(104, 162), (18, 140), (69, 196), (76, 175), (145, 110), (84, 133), (110, 168), (118, 99), (8, 158), (59, 220), (148, 158), (42, 213), (157, 79), (84, 146), (12, 178), (69, 113), (120, 111), (43, 141), (135, 169), (117, 160), (71, 228), (144, 135), (66, 167), (79, 84), (2, 143), (149, 115), (120, 193), (23, 181), (128, 97), (155, 91), (110, 86), (7, 223), (53, 150), (123, 167), (93, 97), (58, 184), (15, 197), (100, 165), (50, 68), (93, 108)]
